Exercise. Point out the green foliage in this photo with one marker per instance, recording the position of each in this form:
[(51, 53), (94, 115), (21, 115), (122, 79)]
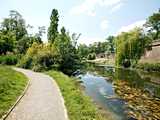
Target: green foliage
[(7, 42), (53, 28), (98, 47), (23, 44), (13, 30), (83, 51), (15, 24), (12, 84), (111, 44), (153, 24), (150, 67), (14, 37), (129, 47), (68, 59), (91, 56), (60, 53), (95, 48), (39, 57), (9, 59), (46, 58), (78, 105), (27, 60)]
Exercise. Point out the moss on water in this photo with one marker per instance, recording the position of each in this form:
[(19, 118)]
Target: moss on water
[(139, 102)]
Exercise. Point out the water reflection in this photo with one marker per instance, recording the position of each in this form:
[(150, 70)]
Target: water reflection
[(125, 93)]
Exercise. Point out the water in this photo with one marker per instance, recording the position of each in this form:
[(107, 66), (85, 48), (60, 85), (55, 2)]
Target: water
[(125, 94)]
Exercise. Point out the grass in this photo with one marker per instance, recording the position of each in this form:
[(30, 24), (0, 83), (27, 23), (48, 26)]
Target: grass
[(12, 84), (79, 106)]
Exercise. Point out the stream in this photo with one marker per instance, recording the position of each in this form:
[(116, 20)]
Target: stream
[(122, 93)]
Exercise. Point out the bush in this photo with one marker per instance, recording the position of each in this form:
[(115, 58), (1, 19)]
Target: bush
[(149, 66), (91, 56), (39, 57), (8, 59), (27, 60)]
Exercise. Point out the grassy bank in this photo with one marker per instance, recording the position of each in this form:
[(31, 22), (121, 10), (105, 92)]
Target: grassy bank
[(79, 106), (12, 84), (150, 67)]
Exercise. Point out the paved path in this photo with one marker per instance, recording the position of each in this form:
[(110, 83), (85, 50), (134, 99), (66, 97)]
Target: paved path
[(42, 101)]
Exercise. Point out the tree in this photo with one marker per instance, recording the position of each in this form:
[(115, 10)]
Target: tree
[(23, 44), (15, 24), (129, 47), (111, 44), (38, 36), (153, 24), (75, 38), (53, 28), (7, 42), (83, 51), (13, 33), (68, 57)]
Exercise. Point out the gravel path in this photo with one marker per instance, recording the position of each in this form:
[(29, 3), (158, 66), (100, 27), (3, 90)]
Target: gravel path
[(42, 101)]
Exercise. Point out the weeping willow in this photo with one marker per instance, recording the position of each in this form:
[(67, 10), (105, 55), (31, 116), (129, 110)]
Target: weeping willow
[(129, 47)]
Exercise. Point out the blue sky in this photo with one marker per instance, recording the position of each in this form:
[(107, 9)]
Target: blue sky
[(95, 19)]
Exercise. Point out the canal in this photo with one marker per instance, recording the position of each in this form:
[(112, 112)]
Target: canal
[(124, 94)]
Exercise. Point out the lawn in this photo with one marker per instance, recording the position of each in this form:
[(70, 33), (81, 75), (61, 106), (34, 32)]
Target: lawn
[(12, 84), (79, 106)]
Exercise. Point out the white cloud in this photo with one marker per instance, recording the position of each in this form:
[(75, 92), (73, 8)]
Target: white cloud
[(88, 7), (131, 26), (117, 7), (89, 40), (110, 2), (104, 24)]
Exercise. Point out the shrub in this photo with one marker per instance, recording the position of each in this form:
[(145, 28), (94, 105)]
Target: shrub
[(149, 66), (27, 60), (39, 57), (8, 59), (91, 56)]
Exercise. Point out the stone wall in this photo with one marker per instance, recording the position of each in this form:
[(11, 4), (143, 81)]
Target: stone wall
[(152, 56)]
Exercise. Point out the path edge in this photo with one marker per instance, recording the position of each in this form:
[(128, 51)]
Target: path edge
[(18, 100), (62, 98)]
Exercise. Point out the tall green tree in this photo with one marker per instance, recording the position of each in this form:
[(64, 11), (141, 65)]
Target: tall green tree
[(13, 33), (153, 24), (15, 24), (68, 57), (53, 28)]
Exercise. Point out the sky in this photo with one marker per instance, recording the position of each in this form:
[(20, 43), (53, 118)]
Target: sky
[(94, 19)]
